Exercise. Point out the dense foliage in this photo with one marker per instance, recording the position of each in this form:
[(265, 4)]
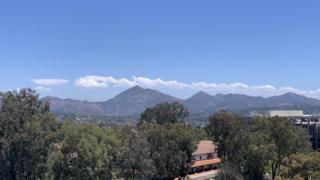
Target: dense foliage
[(26, 131), (301, 166), (164, 114), (83, 152), (253, 149), (35, 145)]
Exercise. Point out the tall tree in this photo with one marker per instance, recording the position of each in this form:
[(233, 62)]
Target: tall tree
[(26, 133), (171, 148), (171, 141), (257, 150), (222, 126), (135, 161), (285, 138), (84, 152)]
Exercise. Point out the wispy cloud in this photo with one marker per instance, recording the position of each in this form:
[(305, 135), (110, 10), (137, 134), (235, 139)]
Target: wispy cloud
[(237, 87), (50, 82), (102, 82), (9, 89), (109, 81), (42, 89)]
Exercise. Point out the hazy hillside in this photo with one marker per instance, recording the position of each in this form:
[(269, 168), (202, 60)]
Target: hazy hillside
[(77, 107), (130, 102), (291, 99), (200, 102), (136, 99)]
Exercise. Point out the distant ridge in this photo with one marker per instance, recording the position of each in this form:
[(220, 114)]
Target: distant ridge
[(135, 100), (77, 107), (200, 102)]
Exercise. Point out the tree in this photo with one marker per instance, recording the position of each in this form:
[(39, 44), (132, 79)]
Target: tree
[(84, 152), (222, 127), (228, 171), (171, 148), (249, 149), (164, 114), (26, 133), (284, 138), (301, 166), (135, 161), (170, 141), (258, 149)]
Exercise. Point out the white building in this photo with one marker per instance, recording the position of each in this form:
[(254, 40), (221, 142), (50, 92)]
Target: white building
[(280, 113)]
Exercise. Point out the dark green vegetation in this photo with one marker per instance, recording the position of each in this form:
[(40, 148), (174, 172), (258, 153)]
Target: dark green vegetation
[(26, 130), (135, 100), (35, 145), (262, 148)]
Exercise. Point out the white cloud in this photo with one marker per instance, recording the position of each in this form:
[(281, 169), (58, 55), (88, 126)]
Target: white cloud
[(237, 87), (265, 87), (221, 86), (109, 81), (146, 82), (102, 82), (42, 89), (50, 82)]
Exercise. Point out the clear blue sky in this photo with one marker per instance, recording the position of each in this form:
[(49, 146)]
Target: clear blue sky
[(255, 43)]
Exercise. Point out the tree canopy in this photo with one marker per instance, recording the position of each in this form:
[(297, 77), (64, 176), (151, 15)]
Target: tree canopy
[(171, 142), (26, 132), (164, 114), (253, 149), (34, 144), (301, 166)]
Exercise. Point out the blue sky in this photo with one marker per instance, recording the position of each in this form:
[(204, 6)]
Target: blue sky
[(96, 49)]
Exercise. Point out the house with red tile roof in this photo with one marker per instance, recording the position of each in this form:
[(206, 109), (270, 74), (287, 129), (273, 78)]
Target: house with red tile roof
[(205, 160)]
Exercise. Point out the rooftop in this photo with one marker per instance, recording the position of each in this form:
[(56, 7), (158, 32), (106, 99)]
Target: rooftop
[(206, 162), (205, 147)]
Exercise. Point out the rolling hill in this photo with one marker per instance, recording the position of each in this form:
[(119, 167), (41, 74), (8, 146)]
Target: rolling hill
[(136, 99)]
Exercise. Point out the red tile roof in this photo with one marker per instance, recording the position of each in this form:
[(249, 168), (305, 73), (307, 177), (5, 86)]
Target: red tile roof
[(206, 162), (205, 147)]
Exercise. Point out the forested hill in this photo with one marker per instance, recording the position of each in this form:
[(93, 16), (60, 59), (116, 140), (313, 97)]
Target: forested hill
[(136, 99)]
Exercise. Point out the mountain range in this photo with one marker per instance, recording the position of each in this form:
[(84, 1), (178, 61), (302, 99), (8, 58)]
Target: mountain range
[(136, 99)]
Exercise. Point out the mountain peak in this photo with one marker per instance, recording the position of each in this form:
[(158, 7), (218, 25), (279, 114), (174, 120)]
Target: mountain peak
[(135, 100), (133, 90), (201, 93), (50, 98), (136, 87), (290, 94)]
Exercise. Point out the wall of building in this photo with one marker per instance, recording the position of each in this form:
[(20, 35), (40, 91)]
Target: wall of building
[(200, 157), (286, 113), (281, 113), (205, 156)]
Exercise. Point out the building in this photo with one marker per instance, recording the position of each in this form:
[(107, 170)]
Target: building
[(280, 113), (205, 161)]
